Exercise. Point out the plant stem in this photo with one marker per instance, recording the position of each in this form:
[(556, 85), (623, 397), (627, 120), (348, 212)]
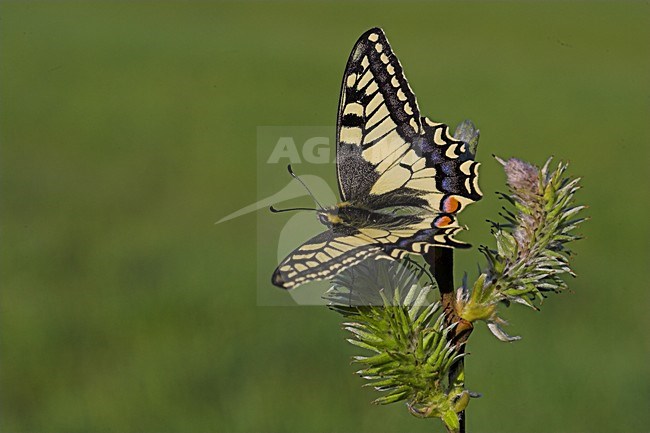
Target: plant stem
[(441, 265)]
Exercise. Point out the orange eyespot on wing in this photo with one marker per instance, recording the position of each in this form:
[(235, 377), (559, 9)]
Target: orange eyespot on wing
[(450, 205), (442, 221)]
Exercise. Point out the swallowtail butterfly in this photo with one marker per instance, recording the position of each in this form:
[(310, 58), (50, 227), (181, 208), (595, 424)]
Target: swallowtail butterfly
[(402, 178)]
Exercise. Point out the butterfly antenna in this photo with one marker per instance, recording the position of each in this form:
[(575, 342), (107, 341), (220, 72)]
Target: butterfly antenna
[(303, 184), (274, 210)]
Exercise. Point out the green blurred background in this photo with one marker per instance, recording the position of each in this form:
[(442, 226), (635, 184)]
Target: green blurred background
[(127, 129)]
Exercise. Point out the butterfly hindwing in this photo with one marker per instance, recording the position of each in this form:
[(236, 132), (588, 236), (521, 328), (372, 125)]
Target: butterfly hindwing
[(411, 232), (441, 170), (420, 237)]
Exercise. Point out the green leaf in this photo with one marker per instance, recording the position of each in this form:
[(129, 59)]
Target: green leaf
[(362, 345), (506, 244), (375, 360), (387, 399), (450, 418)]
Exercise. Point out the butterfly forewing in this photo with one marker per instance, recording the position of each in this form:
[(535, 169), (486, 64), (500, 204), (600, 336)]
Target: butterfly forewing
[(378, 115), (323, 257)]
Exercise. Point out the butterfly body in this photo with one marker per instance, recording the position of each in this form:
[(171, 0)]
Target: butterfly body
[(402, 178), (349, 217)]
